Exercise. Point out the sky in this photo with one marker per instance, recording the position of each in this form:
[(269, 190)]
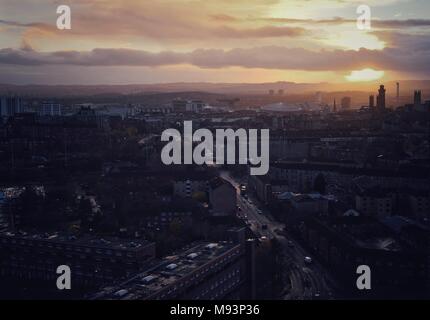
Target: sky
[(247, 41)]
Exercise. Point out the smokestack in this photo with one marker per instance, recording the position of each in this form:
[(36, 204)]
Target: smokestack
[(417, 97), (380, 99), (398, 94)]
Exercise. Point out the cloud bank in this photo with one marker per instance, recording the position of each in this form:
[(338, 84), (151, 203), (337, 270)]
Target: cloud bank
[(268, 57)]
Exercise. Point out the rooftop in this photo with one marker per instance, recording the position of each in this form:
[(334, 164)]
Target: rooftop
[(87, 240), (304, 197), (218, 182), (403, 171), (364, 232), (168, 271)]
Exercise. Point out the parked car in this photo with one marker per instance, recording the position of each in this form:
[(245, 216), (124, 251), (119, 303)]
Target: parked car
[(308, 260)]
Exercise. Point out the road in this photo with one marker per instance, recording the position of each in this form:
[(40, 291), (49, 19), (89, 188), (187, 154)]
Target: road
[(304, 281)]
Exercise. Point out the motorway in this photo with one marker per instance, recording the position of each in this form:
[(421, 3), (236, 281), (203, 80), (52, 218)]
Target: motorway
[(303, 281)]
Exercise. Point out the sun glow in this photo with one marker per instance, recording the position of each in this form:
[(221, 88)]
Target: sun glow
[(364, 75), (354, 40)]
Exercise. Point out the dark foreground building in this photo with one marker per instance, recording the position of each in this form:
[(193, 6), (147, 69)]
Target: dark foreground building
[(202, 271), (93, 261), (396, 254)]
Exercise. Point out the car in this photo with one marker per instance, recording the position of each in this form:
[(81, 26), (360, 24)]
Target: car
[(308, 260), (259, 211), (291, 244)]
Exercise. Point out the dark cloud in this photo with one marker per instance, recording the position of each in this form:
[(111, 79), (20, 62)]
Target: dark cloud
[(263, 32), (269, 57), (400, 24), (36, 25), (376, 23), (409, 42), (155, 29)]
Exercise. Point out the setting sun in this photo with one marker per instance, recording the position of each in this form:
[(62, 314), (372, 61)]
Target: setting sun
[(364, 75)]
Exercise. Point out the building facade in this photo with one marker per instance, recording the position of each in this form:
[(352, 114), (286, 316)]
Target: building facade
[(93, 261)]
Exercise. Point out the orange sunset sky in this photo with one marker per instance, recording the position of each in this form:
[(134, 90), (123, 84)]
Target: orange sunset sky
[(159, 41)]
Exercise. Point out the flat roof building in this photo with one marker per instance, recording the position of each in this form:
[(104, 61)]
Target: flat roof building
[(206, 270)]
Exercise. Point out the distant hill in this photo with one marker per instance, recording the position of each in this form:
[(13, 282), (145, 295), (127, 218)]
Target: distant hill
[(406, 88)]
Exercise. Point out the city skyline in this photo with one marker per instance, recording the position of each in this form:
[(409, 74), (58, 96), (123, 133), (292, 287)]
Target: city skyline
[(215, 155), (126, 42)]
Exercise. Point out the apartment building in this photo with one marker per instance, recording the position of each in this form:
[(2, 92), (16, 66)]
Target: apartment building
[(202, 271), (93, 261)]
